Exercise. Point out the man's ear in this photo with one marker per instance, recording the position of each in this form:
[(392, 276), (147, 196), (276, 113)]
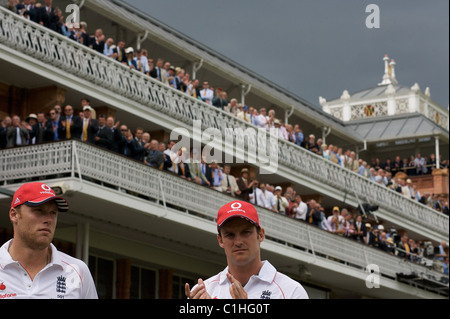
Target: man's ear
[(219, 239), (13, 215), (261, 234)]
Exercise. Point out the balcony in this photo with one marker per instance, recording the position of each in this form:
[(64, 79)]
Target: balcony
[(26, 44), (109, 189)]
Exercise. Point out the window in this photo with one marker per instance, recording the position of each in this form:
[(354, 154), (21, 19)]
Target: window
[(178, 286), (103, 271), (143, 283)]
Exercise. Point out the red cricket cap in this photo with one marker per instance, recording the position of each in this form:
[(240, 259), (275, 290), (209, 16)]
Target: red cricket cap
[(37, 193), (240, 209)]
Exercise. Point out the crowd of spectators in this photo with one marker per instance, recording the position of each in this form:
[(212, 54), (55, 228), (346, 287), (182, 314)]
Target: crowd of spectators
[(105, 131)]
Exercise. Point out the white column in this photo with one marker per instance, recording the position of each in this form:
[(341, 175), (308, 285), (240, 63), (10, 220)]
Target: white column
[(438, 165)]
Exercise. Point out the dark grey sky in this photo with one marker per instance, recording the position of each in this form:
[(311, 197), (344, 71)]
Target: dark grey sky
[(320, 47)]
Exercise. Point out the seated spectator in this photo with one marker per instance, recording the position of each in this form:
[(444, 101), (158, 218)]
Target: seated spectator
[(195, 168), (411, 166), (404, 249)]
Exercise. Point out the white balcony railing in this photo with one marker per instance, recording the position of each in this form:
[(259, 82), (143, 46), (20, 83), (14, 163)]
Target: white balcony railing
[(86, 162), (58, 51)]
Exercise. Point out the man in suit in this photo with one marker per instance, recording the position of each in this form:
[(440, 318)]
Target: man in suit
[(16, 134), (47, 16), (193, 90), (52, 127), (159, 72), (97, 41), (195, 168), (229, 184), (104, 137), (89, 126), (360, 229), (71, 125), (119, 52), (6, 122), (245, 186)]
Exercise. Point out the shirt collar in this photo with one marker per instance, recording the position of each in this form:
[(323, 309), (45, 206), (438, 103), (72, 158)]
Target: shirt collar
[(267, 273), (6, 259)]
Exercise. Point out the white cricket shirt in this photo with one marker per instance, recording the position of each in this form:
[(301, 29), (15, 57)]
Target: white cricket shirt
[(268, 284), (64, 277)]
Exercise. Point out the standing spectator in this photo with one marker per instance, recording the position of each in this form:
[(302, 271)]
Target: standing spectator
[(142, 62), (119, 52), (195, 167), (216, 174), (300, 208), (16, 134), (71, 125), (52, 127), (313, 215), (159, 72), (363, 171), (229, 184), (360, 229), (89, 126), (6, 122), (280, 202), (97, 41), (154, 157), (193, 90), (108, 48), (262, 196), (104, 137), (207, 94), (245, 186), (129, 60), (47, 16)]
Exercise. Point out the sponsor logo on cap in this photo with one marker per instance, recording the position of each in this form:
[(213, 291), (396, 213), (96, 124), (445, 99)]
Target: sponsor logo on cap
[(47, 189)]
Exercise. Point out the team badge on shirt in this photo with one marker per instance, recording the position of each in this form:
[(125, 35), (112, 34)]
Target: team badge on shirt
[(266, 294), (61, 285)]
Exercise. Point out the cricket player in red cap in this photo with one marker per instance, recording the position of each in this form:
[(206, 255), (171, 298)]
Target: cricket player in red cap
[(30, 265), (246, 276)]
